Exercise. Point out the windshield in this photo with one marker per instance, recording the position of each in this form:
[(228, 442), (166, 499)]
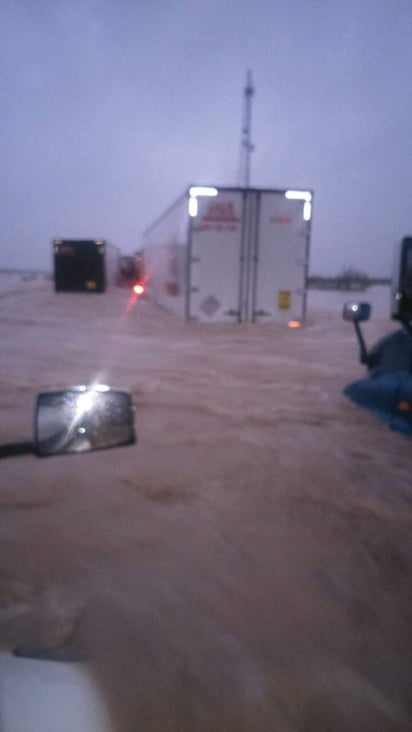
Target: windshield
[(245, 565)]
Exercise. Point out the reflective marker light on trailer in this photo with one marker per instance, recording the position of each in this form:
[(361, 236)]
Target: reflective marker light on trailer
[(294, 324), (307, 210), (299, 195), (195, 191), (302, 196), (193, 207)]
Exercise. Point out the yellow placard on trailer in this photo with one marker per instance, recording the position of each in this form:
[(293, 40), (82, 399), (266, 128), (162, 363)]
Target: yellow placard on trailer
[(284, 299), (91, 284)]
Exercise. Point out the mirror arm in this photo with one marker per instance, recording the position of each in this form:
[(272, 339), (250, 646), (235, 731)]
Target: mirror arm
[(364, 356), (14, 449)]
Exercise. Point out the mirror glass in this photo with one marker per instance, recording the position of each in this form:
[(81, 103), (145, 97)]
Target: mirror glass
[(356, 311), (81, 419)]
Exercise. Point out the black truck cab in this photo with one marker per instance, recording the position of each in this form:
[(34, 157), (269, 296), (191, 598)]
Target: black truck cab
[(394, 351)]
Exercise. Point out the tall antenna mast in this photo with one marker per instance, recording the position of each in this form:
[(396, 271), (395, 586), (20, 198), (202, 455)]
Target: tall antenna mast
[(246, 146)]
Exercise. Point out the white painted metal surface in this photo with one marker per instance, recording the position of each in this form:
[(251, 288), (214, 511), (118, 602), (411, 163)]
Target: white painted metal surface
[(165, 258), (48, 696), (215, 256), (279, 259), (232, 255)]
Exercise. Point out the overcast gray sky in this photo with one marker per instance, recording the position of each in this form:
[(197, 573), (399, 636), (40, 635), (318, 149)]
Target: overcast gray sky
[(110, 108)]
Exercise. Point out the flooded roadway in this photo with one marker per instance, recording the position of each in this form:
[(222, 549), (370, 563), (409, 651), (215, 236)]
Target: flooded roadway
[(247, 565)]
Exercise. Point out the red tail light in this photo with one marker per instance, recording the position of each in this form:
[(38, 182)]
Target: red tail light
[(138, 289)]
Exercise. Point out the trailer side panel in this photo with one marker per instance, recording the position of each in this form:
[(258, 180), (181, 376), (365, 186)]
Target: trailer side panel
[(165, 257)]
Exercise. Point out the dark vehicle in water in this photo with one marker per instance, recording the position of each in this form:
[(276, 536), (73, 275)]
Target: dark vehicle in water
[(130, 270), (388, 389), (84, 265)]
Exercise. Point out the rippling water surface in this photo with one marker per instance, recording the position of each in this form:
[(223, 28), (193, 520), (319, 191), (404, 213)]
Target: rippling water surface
[(247, 565)]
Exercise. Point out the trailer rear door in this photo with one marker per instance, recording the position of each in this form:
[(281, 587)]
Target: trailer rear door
[(279, 259), (216, 258)]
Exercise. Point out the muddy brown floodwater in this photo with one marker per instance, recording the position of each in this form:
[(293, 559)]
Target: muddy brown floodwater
[(246, 566)]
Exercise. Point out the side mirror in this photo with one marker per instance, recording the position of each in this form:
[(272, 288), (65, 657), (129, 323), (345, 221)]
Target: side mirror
[(81, 419), (356, 312)]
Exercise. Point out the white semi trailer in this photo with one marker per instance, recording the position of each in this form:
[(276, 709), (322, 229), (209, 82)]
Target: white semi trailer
[(231, 255)]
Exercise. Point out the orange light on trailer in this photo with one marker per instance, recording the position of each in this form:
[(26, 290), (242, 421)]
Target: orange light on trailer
[(294, 324), (138, 289)]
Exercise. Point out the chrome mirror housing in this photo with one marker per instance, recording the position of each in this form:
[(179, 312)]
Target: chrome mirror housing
[(356, 312), (81, 419)]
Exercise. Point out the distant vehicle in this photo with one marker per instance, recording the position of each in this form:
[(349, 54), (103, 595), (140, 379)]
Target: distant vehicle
[(130, 270), (84, 265), (388, 390), (401, 291)]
